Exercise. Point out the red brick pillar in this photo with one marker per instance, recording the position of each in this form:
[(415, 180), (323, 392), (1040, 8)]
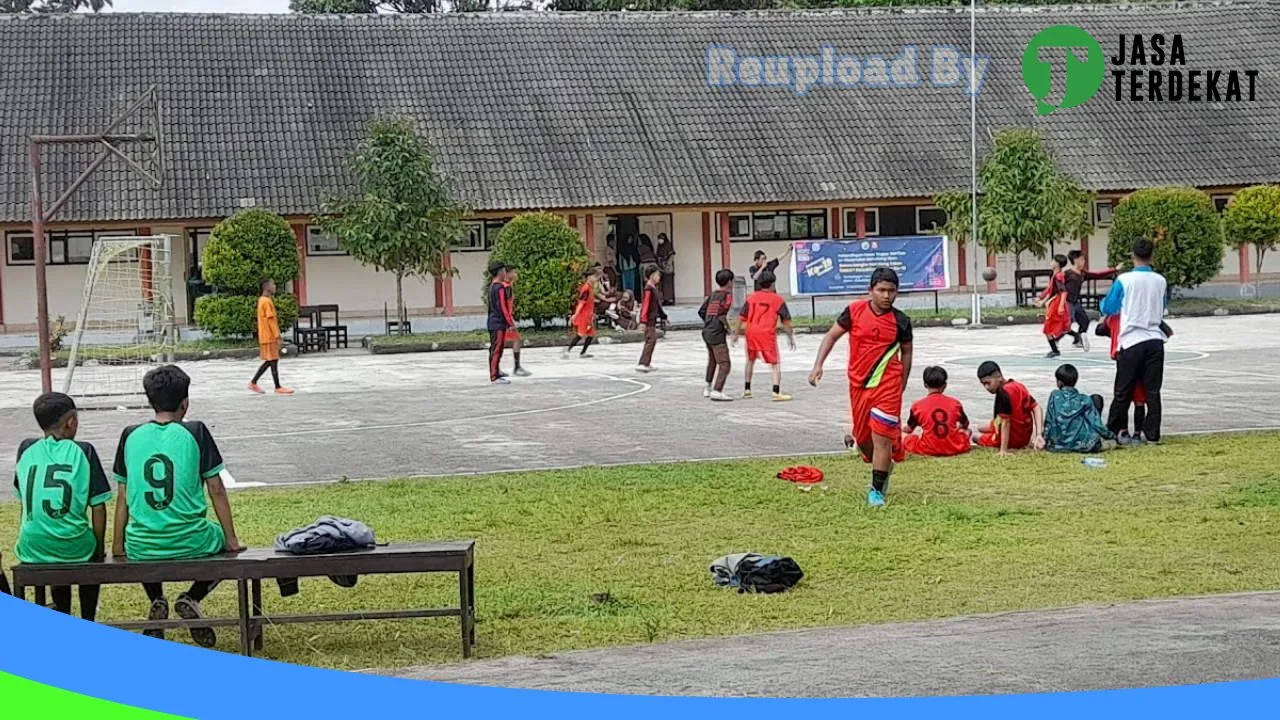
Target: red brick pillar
[(300, 283), (860, 222), (834, 225)]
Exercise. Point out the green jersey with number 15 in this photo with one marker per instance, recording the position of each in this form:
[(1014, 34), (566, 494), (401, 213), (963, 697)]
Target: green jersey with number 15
[(58, 481), (161, 469)]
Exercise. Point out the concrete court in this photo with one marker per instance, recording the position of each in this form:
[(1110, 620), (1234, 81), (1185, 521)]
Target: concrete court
[(364, 416), (1140, 644)]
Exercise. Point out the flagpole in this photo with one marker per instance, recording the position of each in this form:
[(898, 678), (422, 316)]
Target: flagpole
[(976, 311)]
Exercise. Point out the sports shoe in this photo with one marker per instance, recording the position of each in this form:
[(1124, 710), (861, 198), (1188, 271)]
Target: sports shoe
[(1053, 354), (253, 387), (706, 392), (848, 441), (585, 356), (189, 609), (720, 397), (283, 391), (644, 369), (781, 397), (875, 498), (501, 381), (159, 611), (746, 394), (521, 372), (1131, 440)]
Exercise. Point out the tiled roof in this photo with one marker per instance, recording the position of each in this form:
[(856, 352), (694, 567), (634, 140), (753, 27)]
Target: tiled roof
[(601, 109)]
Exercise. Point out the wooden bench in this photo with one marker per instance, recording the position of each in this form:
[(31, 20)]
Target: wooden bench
[(335, 332), (250, 568)]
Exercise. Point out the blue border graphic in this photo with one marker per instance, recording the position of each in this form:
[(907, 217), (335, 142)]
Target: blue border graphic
[(62, 651)]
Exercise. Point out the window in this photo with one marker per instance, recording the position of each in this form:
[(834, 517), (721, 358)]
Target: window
[(929, 219), (1102, 211), (199, 240), (1220, 202), (481, 234), (739, 227), (320, 242), (68, 247), (870, 218)]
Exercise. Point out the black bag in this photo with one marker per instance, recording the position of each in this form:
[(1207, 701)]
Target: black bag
[(768, 574)]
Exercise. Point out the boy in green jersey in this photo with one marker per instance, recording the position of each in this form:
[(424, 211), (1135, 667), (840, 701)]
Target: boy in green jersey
[(163, 468), (61, 489)]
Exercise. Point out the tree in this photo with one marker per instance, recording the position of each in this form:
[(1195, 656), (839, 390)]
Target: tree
[(958, 205), (243, 250), (1183, 224), (1253, 218), (1027, 203), (550, 258), (52, 6), (403, 217)]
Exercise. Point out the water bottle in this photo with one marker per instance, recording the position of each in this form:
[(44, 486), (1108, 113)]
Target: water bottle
[(1094, 462)]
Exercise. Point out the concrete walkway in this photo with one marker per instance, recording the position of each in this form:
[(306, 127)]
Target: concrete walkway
[(1162, 642)]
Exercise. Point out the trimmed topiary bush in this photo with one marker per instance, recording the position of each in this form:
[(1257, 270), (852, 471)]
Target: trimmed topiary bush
[(550, 257), (1183, 224), (247, 247), (236, 316)]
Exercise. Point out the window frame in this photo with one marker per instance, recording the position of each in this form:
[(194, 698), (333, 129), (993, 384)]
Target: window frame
[(1227, 201), (919, 229), (319, 232), (850, 227), (489, 229), (58, 245)]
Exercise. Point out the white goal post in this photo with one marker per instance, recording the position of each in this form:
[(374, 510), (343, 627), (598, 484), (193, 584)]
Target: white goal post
[(126, 325)]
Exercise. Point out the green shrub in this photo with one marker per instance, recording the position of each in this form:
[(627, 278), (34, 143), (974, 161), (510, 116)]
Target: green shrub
[(550, 259), (236, 316), (1183, 224), (1253, 218), (247, 247)]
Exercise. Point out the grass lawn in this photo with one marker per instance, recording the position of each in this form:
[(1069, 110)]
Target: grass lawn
[(970, 535)]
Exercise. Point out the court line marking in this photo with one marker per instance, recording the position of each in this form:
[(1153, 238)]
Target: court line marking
[(676, 461), (643, 387)]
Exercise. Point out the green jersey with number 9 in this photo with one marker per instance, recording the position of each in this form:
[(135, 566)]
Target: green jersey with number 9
[(161, 469), (58, 481)]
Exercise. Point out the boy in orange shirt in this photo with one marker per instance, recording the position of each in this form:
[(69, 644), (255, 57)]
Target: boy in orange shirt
[(269, 339), (941, 419)]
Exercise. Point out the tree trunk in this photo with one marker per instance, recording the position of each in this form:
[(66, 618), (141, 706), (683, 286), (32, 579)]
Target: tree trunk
[(400, 299), (1257, 272)]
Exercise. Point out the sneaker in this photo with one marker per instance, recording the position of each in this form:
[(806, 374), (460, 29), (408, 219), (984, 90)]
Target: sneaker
[(283, 391), (159, 611), (521, 372), (253, 387), (706, 392), (848, 441), (501, 381), (644, 369), (1052, 354), (1131, 440), (746, 394), (720, 397), (875, 498), (781, 397), (585, 356), (189, 609)]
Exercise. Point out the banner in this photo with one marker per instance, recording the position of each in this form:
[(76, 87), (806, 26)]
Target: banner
[(844, 267)]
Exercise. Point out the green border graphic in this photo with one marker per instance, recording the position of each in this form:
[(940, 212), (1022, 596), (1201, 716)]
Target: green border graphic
[(33, 699)]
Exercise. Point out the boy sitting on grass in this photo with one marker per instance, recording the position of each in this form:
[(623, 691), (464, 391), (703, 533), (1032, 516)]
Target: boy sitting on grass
[(1018, 420), (1073, 422), (62, 491), (944, 426), (163, 469)]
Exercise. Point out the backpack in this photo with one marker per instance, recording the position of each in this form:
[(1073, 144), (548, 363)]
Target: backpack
[(750, 572)]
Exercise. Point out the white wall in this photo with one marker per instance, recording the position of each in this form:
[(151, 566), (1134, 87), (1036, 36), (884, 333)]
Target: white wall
[(686, 235), (360, 290)]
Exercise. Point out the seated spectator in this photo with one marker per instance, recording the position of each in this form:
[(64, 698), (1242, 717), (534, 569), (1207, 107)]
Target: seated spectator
[(940, 418), (1018, 420), (1073, 422), (626, 311)]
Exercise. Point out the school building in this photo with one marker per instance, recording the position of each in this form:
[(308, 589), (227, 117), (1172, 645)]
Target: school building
[(730, 132)]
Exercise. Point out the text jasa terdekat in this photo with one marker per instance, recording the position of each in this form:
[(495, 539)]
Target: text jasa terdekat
[(1164, 76)]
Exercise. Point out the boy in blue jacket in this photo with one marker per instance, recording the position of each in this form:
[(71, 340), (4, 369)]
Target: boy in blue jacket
[(1073, 421)]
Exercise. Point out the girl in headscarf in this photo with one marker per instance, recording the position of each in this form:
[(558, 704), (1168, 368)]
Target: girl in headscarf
[(667, 263)]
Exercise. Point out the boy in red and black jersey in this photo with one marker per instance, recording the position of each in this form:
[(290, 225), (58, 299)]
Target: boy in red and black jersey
[(880, 338), (941, 419), (500, 320), (715, 333), (651, 313), (1018, 420)]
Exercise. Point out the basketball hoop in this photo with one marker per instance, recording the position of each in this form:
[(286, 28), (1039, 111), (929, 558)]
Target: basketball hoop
[(145, 111)]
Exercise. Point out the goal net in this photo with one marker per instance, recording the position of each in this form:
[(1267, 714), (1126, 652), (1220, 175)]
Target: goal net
[(126, 324)]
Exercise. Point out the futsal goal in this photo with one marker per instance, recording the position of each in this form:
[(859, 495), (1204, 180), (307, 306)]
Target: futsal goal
[(126, 325)]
